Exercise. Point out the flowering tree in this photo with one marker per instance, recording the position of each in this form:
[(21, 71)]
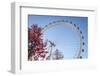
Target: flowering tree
[(36, 46)]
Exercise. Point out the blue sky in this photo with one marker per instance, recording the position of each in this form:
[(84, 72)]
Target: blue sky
[(65, 39)]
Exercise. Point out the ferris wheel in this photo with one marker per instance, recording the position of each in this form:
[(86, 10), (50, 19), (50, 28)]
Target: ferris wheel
[(74, 27)]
